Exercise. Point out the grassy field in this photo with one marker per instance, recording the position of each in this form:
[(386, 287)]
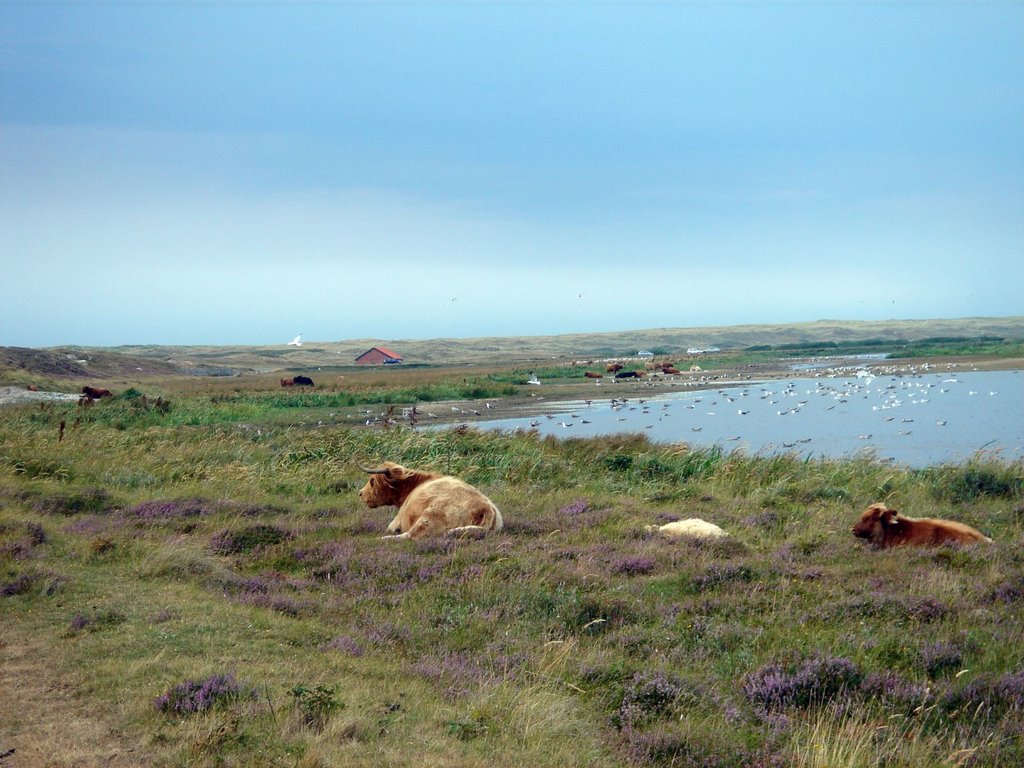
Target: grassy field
[(197, 584)]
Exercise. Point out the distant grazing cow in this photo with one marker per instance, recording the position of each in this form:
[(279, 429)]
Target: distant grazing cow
[(287, 382), (593, 375), (613, 367), (694, 527), (428, 503), (303, 381), (670, 370), (885, 527), (32, 388), (96, 393)]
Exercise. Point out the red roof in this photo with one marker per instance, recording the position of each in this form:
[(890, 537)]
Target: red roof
[(378, 354)]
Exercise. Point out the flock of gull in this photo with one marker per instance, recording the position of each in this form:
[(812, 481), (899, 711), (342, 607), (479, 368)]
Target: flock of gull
[(836, 409)]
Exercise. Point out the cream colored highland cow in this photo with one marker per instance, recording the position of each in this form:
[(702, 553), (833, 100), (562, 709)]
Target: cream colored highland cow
[(428, 503), (694, 527)]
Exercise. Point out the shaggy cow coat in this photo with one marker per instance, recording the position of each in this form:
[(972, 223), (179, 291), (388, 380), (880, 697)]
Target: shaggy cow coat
[(694, 527), (428, 503), (885, 527)]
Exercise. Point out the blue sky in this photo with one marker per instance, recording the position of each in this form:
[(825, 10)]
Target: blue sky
[(237, 173)]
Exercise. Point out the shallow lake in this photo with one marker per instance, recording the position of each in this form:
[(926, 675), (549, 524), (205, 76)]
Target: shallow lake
[(917, 420)]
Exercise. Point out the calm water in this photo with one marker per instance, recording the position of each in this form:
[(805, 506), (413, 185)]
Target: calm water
[(917, 420)]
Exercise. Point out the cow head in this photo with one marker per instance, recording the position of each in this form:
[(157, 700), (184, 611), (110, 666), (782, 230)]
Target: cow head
[(873, 521), (387, 485)]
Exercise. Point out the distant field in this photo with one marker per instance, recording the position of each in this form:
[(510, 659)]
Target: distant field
[(333, 357)]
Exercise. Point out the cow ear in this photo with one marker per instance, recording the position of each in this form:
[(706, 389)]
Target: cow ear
[(890, 516)]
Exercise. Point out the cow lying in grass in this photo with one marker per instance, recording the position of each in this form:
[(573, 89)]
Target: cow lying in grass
[(694, 527), (428, 503), (95, 392), (885, 527)]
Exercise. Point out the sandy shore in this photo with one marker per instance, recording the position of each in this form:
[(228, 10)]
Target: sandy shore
[(20, 395)]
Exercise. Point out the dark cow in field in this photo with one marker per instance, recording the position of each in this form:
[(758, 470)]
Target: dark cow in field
[(613, 367), (96, 393), (303, 381), (630, 374), (885, 527), (428, 503)]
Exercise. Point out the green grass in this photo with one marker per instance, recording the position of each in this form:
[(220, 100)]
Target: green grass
[(152, 550)]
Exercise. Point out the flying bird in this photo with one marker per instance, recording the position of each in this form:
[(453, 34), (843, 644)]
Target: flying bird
[(296, 342)]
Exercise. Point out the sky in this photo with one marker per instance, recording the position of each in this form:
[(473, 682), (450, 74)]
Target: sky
[(240, 172)]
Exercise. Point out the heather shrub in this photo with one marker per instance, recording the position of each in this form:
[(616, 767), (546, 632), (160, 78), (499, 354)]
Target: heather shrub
[(680, 746), (648, 695), (36, 534), (194, 696), (941, 658), (595, 615), (155, 511), (229, 542), (458, 674), (895, 692), (717, 574), (634, 566), (813, 682), (1008, 592), (18, 585), (97, 620), (344, 644), (577, 507), (78, 502), (988, 696)]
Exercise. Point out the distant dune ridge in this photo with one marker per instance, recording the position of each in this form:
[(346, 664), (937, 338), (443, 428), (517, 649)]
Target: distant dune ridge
[(164, 360)]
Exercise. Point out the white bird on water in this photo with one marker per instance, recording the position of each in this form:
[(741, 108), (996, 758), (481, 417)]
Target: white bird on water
[(296, 342)]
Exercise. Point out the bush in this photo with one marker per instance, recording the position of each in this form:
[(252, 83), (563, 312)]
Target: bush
[(977, 481), (195, 696), (229, 542), (647, 696), (86, 501), (315, 705), (813, 682)]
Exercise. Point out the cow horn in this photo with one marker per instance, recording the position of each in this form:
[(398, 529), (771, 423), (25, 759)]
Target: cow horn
[(367, 470)]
